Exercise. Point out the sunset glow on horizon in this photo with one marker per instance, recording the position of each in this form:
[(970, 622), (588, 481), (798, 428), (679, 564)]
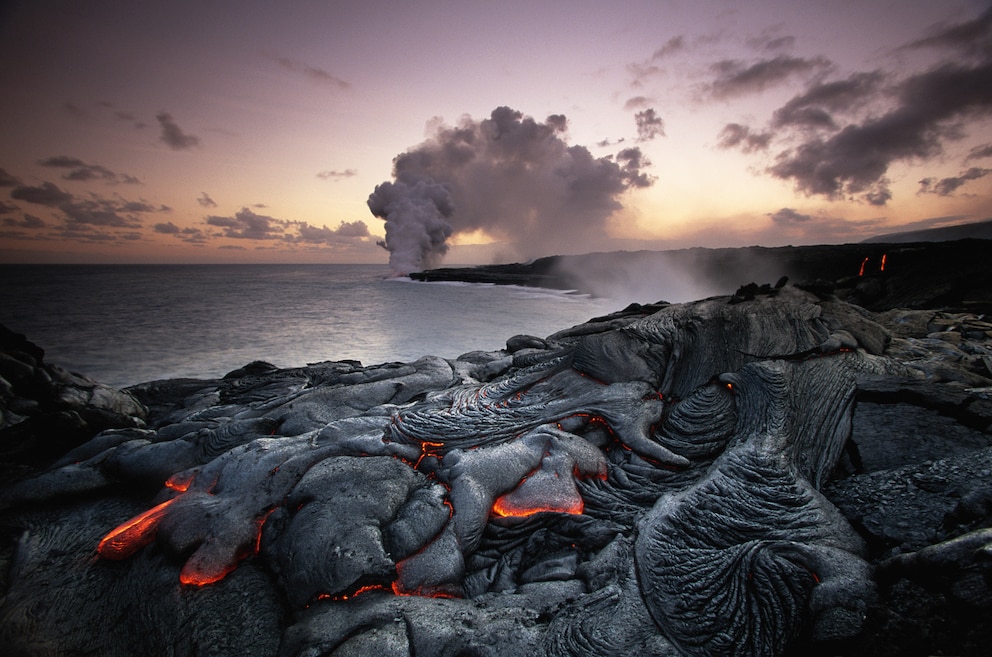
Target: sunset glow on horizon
[(256, 131)]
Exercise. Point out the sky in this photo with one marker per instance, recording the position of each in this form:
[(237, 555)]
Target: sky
[(462, 132)]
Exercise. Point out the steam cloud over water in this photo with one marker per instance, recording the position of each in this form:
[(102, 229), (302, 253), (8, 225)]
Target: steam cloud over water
[(509, 176), (416, 222)]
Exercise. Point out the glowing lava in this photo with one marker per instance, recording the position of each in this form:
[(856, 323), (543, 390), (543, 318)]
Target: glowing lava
[(506, 507), (192, 576), (428, 448), (136, 533), (180, 482), (541, 491)]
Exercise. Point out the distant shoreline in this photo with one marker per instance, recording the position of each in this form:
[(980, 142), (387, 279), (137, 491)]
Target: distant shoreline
[(955, 274)]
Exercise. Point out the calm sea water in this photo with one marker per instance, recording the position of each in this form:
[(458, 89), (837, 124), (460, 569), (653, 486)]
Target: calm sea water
[(126, 324)]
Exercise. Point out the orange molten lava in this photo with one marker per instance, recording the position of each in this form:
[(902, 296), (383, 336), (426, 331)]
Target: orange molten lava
[(882, 267), (193, 577), (179, 481), (428, 448), (258, 533), (400, 591), (861, 272), (538, 492), (359, 591), (136, 533), (505, 508)]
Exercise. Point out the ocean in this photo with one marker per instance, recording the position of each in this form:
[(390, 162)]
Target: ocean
[(128, 324)]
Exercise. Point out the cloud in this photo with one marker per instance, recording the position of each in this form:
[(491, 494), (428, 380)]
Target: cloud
[(190, 235), (90, 217), (75, 110), (7, 180), (947, 186), (735, 135), (246, 224), (47, 194), (27, 221), (93, 210), (205, 201), (814, 107), (736, 78), (336, 175), (979, 152), (970, 37), (356, 228), (85, 234), (606, 143), (649, 125), (345, 232), (789, 217), (510, 176), (855, 159), (840, 137), (104, 212), (637, 102), (172, 134), (779, 43), (642, 73), (83, 172), (312, 73), (130, 118), (672, 46), (631, 161)]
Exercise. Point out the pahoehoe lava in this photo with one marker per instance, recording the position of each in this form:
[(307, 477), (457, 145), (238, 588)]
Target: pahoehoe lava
[(773, 472)]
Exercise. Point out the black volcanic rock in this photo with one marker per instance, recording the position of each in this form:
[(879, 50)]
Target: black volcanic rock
[(537, 273), (46, 410), (771, 472)]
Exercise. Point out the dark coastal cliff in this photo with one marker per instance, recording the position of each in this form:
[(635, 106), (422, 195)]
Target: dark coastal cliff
[(915, 275), (776, 471)]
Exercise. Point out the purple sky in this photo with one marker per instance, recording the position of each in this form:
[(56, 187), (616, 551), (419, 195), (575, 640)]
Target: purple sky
[(249, 131)]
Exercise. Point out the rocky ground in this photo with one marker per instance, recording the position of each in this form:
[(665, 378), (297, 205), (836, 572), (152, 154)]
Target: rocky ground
[(776, 471)]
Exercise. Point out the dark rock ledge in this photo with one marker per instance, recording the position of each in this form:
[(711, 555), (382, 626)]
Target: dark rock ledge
[(915, 275), (772, 472)]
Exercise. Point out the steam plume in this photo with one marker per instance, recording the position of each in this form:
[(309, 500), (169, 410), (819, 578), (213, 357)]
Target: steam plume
[(507, 175), (416, 226)]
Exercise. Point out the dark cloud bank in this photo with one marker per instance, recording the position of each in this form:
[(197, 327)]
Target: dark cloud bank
[(510, 176), (249, 225), (95, 218), (92, 210), (839, 156), (80, 171)]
